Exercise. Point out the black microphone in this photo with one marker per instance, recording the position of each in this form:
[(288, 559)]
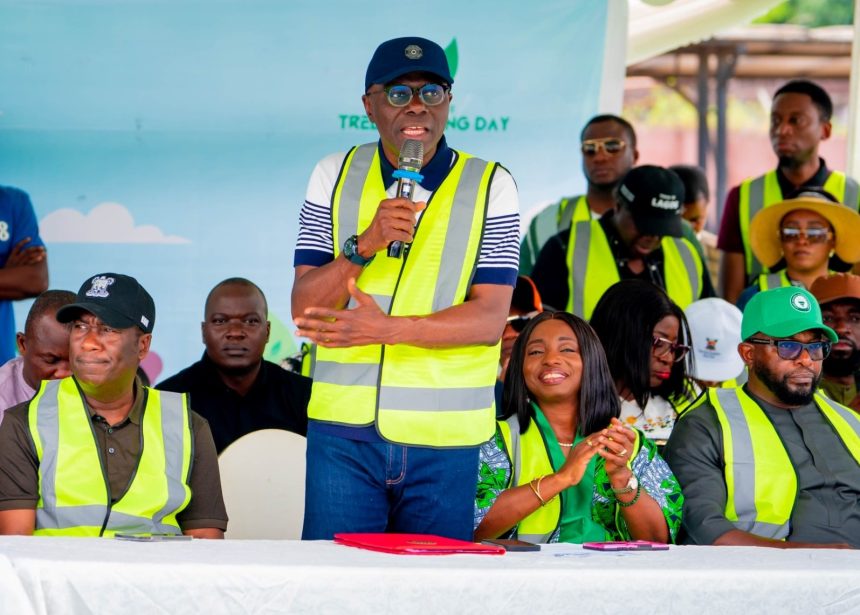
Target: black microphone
[(408, 172)]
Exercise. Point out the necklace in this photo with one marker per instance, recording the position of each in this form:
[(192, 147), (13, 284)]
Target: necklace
[(566, 444)]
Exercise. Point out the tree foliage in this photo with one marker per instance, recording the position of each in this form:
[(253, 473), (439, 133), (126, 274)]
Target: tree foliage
[(811, 13)]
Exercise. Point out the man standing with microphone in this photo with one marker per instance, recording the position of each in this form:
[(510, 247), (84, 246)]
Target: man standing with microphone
[(408, 339)]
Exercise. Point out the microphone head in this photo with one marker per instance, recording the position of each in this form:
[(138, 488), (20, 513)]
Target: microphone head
[(411, 155)]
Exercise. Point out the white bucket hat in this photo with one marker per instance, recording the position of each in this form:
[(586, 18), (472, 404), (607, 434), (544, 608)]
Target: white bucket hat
[(715, 326)]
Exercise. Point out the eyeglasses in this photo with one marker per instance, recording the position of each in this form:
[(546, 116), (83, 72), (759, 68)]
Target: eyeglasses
[(791, 349), (400, 95), (660, 346), (518, 323), (611, 146), (812, 235)]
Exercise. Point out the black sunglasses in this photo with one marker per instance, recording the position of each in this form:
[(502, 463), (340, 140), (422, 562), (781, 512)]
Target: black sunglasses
[(518, 323), (791, 349)]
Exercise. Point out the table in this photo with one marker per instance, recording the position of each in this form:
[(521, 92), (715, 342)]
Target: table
[(77, 575)]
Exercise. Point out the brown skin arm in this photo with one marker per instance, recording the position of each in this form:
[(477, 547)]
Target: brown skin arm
[(205, 532), (739, 538), (19, 522), (326, 286), (480, 320), (23, 281), (645, 518), (732, 275)]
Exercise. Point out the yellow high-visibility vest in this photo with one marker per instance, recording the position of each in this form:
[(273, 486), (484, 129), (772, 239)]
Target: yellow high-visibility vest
[(761, 482), (435, 397), (592, 268), (757, 193), (73, 494), (530, 459)]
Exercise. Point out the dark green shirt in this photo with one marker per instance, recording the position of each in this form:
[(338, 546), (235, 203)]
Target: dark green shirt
[(827, 509)]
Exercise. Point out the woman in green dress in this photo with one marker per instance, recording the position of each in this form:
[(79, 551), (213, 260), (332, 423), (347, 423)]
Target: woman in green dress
[(561, 466)]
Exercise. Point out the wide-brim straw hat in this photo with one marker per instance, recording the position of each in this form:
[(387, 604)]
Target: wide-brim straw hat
[(764, 228)]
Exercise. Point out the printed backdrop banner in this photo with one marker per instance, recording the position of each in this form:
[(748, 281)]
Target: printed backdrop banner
[(173, 141)]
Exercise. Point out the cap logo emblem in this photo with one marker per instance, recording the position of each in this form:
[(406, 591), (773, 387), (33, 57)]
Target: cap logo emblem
[(665, 201), (99, 286), (413, 52), (625, 192), (710, 344), (800, 303), (144, 321)]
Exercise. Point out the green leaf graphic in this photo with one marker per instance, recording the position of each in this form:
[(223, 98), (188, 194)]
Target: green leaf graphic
[(453, 57)]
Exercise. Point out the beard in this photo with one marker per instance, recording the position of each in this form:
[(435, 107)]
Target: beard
[(839, 367), (790, 395)]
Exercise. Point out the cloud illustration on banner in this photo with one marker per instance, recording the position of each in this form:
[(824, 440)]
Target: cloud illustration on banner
[(105, 223)]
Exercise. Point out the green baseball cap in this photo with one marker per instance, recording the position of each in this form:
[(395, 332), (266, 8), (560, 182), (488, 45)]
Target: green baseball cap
[(783, 312)]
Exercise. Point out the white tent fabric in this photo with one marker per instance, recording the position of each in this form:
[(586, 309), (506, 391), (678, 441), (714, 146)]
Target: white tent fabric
[(657, 26)]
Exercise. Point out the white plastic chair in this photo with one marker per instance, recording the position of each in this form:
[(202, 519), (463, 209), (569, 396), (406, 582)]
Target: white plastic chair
[(263, 481)]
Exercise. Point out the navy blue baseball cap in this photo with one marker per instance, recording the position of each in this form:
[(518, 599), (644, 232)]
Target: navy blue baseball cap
[(117, 300), (408, 54)]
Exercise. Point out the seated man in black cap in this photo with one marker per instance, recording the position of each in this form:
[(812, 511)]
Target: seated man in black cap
[(97, 453), (232, 386), (641, 240)]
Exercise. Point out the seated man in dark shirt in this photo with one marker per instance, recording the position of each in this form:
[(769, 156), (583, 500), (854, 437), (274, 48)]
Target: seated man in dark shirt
[(232, 386)]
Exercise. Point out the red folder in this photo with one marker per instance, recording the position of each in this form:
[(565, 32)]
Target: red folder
[(415, 544)]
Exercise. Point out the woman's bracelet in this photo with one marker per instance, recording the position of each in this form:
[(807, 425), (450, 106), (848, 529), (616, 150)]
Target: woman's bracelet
[(633, 501), (536, 489)]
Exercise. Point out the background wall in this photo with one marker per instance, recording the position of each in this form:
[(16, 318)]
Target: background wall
[(173, 140)]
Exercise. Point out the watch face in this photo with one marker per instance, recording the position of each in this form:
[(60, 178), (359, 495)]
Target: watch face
[(349, 247), (633, 483)]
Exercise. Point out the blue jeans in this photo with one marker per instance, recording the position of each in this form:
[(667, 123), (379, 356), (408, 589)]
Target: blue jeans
[(355, 486)]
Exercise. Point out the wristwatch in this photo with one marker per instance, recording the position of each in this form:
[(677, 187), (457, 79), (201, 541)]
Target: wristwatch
[(350, 252), (631, 486)]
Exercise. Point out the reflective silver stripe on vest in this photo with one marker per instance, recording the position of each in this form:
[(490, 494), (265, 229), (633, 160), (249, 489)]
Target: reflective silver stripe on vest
[(744, 469), (383, 301), (689, 260), (756, 202), (332, 372), (48, 426), (566, 218), (350, 192), (133, 524), (514, 425), (771, 280), (172, 428), (580, 265), (459, 230), (849, 416), (852, 193), (435, 400)]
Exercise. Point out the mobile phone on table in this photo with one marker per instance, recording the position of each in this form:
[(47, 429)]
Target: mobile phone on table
[(511, 544), (626, 545), (152, 537)]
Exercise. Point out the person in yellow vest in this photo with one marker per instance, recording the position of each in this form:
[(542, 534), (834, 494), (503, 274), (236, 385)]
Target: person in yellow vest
[(799, 121), (99, 454), (608, 146), (561, 467), (796, 239), (407, 348), (773, 463), (839, 298), (643, 240)]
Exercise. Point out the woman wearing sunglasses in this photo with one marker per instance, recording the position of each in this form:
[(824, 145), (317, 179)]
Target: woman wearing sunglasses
[(796, 239), (562, 467), (646, 339)]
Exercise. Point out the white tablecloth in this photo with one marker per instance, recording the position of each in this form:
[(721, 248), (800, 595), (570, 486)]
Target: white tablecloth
[(67, 575)]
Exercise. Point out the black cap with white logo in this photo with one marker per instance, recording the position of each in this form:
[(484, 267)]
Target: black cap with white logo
[(119, 301), (653, 196)]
